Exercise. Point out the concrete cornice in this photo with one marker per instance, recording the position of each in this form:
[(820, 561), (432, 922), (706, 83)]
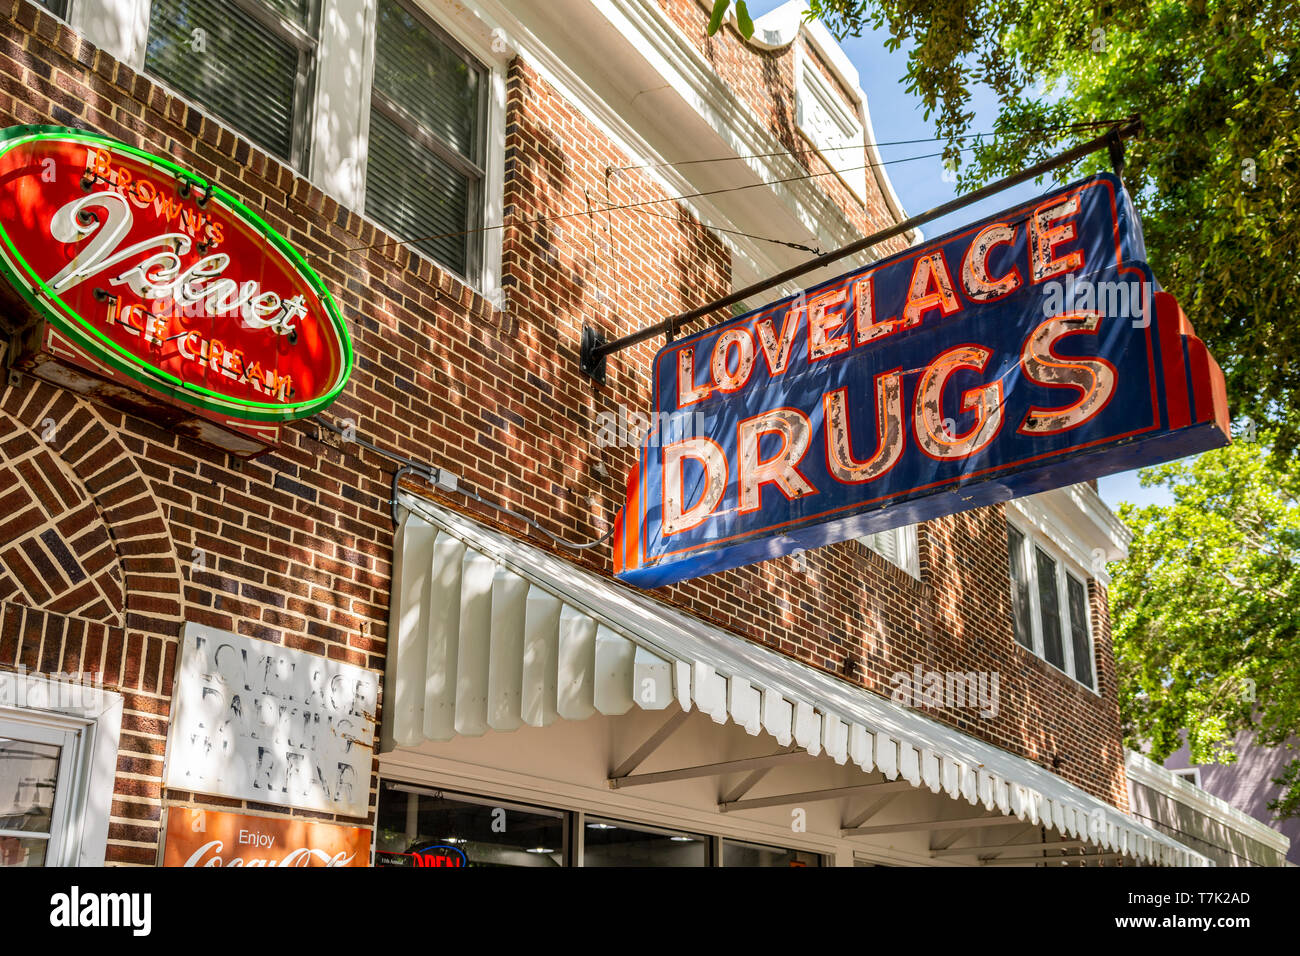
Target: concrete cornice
[(1143, 770), (781, 27)]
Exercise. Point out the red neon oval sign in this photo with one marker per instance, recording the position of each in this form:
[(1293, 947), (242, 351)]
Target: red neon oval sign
[(166, 277)]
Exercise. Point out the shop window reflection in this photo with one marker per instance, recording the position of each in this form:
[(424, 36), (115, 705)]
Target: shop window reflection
[(412, 824), (611, 843)]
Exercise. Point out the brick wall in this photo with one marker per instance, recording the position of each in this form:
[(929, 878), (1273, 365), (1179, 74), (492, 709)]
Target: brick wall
[(764, 80), (117, 531)]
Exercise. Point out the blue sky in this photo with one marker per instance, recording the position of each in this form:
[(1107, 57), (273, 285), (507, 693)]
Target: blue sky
[(897, 115)]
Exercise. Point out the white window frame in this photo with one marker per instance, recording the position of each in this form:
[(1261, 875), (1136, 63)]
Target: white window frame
[(907, 553), (124, 24), (341, 141), (338, 109), (413, 129), (1191, 774), (67, 738), (1031, 539), (88, 724)]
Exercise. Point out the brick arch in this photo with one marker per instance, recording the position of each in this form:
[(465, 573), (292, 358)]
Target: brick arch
[(90, 558), (57, 554)]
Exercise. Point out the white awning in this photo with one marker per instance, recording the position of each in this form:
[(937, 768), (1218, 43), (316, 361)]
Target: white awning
[(490, 634)]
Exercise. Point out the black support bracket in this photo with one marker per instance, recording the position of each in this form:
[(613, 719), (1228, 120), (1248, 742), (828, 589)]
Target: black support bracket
[(591, 364), (595, 349)]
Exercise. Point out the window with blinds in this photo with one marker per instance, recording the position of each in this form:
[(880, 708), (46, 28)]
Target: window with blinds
[(57, 7), (425, 168), (248, 62), (1049, 606), (1021, 613), (1080, 639), (898, 546)]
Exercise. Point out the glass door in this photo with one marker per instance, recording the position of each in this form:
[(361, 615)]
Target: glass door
[(37, 766)]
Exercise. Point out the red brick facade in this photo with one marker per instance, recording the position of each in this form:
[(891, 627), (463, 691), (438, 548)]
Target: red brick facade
[(115, 532)]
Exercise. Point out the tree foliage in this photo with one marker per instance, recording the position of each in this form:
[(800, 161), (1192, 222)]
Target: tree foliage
[(743, 22), (1216, 174), (1207, 609)]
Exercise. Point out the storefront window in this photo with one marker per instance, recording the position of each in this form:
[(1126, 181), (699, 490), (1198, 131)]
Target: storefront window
[(753, 854), (29, 795), (611, 843), (419, 826), (413, 822)]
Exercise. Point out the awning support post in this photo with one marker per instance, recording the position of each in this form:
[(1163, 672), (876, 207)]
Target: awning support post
[(811, 796), (652, 743), (709, 769), (871, 810)]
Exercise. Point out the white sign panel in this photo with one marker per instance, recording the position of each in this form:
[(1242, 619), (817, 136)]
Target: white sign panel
[(257, 721), (832, 128)]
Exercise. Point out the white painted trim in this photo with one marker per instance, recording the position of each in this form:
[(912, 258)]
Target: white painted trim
[(1038, 521), (97, 714), (814, 93), (1191, 774), (1080, 524), (1143, 770), (341, 112), (118, 27), (779, 28), (1091, 506), (749, 260), (693, 78)]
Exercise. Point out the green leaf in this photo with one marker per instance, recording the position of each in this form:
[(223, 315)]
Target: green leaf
[(743, 22), (719, 11)]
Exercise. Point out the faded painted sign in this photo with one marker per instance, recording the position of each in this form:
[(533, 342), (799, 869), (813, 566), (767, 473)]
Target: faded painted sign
[(257, 721)]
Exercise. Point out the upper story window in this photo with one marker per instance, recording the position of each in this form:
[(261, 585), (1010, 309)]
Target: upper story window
[(248, 61), (57, 7), (388, 112), (1191, 774), (425, 167), (1049, 604), (898, 546)]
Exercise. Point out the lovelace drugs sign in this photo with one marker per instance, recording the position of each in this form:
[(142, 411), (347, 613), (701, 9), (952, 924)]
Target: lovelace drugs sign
[(1025, 352)]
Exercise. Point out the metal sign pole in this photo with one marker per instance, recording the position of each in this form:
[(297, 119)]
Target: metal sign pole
[(595, 349)]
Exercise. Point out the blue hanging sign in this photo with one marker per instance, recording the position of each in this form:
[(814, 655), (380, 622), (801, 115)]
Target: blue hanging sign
[(1026, 352)]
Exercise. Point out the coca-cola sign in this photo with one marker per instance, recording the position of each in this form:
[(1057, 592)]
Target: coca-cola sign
[(166, 278), (200, 837)]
